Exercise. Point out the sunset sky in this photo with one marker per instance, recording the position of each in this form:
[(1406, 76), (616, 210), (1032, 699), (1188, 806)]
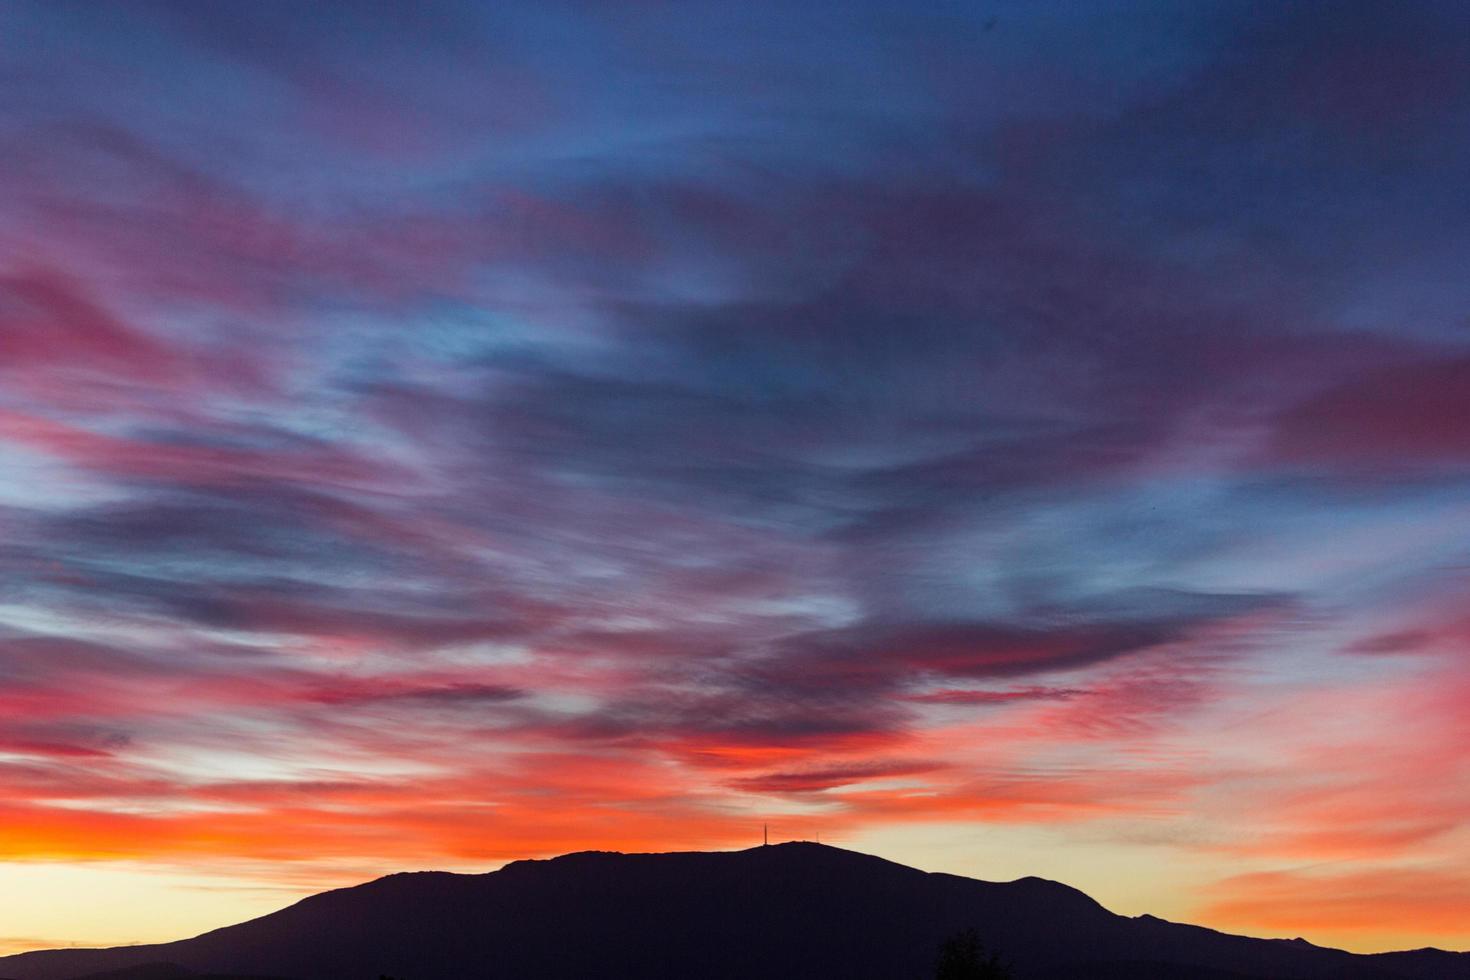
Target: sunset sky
[(1010, 438)]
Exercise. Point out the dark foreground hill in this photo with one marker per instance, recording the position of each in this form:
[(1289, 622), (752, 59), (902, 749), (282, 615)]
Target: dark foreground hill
[(790, 910)]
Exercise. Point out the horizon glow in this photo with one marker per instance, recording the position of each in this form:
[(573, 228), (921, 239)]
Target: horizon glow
[(1015, 441)]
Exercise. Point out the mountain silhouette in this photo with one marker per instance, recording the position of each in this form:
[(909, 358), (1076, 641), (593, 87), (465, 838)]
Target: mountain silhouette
[(166, 971), (787, 910)]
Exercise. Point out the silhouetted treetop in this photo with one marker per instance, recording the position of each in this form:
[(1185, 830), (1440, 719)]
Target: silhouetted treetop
[(963, 957)]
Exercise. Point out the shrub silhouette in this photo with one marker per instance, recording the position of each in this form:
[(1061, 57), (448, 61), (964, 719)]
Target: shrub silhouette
[(963, 957)]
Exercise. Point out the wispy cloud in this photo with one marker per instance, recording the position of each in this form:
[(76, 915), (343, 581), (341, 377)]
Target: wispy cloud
[(485, 432)]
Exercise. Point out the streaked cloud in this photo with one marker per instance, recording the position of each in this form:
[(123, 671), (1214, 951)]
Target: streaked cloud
[(456, 434)]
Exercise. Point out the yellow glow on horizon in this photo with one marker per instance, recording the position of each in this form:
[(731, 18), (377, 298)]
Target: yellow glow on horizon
[(45, 905)]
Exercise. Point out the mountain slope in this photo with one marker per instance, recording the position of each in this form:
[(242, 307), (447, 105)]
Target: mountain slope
[(790, 910)]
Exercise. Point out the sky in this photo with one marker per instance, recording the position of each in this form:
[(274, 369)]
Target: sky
[(1010, 438)]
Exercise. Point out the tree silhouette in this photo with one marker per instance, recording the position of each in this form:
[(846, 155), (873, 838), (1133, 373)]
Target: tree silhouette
[(963, 957)]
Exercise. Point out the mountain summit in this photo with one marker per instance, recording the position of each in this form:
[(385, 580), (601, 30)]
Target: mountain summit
[(787, 910)]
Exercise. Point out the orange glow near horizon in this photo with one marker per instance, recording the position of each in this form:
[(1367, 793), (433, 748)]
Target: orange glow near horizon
[(259, 844)]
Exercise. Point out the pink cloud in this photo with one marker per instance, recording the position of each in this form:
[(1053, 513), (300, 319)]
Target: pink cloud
[(1403, 415)]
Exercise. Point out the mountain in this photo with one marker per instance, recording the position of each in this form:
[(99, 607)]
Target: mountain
[(788, 910), (165, 971)]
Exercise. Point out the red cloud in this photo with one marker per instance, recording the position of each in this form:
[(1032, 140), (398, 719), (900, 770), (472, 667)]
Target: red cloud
[(1406, 415), (49, 323), (964, 696)]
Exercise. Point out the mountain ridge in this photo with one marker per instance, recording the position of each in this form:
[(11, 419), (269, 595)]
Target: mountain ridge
[(792, 909)]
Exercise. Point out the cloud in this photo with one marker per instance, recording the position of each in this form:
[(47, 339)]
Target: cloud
[(966, 696), (50, 322), (1400, 417), (489, 432), (813, 780)]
